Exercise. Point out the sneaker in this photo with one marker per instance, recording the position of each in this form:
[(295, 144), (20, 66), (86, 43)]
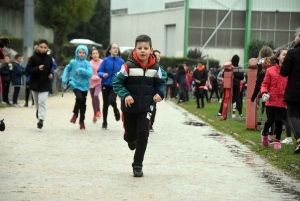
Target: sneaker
[(297, 147), (40, 124), (241, 115), (73, 119), (220, 101), (104, 125), (81, 125), (132, 145), (117, 115), (219, 114), (277, 145), (287, 141), (94, 118), (151, 129), (15, 105), (137, 171), (264, 139), (271, 141), (98, 115), (3, 103), (233, 116)]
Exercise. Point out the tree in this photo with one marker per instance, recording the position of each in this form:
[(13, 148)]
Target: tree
[(98, 27), (256, 45), (63, 17)]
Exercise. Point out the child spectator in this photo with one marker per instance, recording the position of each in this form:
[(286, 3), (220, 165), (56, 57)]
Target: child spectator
[(182, 83), (39, 67), (274, 85), (80, 71), (95, 86), (139, 83), (5, 72), (16, 78), (27, 89), (170, 83)]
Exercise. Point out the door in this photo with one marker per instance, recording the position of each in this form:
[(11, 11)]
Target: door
[(170, 40)]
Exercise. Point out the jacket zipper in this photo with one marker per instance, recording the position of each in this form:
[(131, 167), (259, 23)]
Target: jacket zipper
[(141, 96)]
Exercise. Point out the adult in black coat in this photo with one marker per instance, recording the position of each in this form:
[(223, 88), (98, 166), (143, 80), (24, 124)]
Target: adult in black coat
[(291, 68)]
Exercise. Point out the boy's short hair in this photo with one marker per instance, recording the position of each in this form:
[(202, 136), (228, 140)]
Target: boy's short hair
[(17, 56), (43, 41), (143, 38), (200, 62)]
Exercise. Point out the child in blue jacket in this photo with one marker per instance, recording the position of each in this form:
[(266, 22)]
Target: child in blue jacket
[(80, 71), (16, 78)]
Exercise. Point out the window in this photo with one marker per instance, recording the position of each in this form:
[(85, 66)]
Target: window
[(120, 11), (238, 19), (174, 4), (194, 37), (255, 20), (195, 18), (282, 21), (227, 22), (268, 20), (210, 18), (223, 38), (238, 38)]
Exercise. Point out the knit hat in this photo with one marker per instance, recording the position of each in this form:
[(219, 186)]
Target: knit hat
[(235, 60)]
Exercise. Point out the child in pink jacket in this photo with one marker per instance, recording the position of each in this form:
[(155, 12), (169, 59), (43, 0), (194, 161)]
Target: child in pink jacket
[(95, 84)]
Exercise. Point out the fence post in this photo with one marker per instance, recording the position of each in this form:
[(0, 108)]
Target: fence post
[(251, 107), (228, 81)]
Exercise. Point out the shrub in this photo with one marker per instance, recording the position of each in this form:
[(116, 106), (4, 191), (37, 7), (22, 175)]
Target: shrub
[(194, 53)]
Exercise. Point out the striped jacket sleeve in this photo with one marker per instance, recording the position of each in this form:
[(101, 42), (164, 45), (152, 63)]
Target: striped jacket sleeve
[(119, 80)]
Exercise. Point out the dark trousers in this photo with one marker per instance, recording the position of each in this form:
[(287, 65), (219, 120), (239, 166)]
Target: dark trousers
[(214, 89), (16, 94), (287, 125), (274, 114), (27, 93), (109, 98), (182, 93), (205, 93), (169, 87), (293, 111), (200, 96), (236, 98), (80, 104), (5, 91), (136, 127)]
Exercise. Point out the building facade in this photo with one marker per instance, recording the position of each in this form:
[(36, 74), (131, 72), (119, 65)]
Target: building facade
[(164, 21)]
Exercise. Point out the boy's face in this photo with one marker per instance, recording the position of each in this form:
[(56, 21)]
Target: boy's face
[(81, 54), (19, 59), (42, 48), (6, 59), (143, 51)]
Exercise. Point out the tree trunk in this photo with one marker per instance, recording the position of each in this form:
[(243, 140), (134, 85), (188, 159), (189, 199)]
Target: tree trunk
[(57, 47)]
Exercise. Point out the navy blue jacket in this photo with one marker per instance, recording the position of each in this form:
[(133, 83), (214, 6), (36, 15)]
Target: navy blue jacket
[(16, 74), (5, 72)]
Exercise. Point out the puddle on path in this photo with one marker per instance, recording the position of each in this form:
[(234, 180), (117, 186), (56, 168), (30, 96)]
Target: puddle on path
[(290, 189)]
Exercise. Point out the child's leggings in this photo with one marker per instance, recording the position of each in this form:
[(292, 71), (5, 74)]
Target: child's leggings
[(95, 97), (80, 104)]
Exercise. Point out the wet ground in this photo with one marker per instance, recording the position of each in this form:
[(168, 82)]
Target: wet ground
[(186, 159)]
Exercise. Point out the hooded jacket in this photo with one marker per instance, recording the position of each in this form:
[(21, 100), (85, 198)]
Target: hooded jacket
[(39, 79), (141, 82), (5, 72), (110, 65), (275, 84), (84, 68), (16, 74), (95, 79), (291, 68)]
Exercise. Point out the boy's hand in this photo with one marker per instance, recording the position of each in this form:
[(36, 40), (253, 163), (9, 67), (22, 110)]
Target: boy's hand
[(156, 98), (41, 67), (128, 101), (77, 73), (50, 76), (105, 75)]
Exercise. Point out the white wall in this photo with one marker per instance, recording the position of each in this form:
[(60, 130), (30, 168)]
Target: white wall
[(223, 54), (125, 28)]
